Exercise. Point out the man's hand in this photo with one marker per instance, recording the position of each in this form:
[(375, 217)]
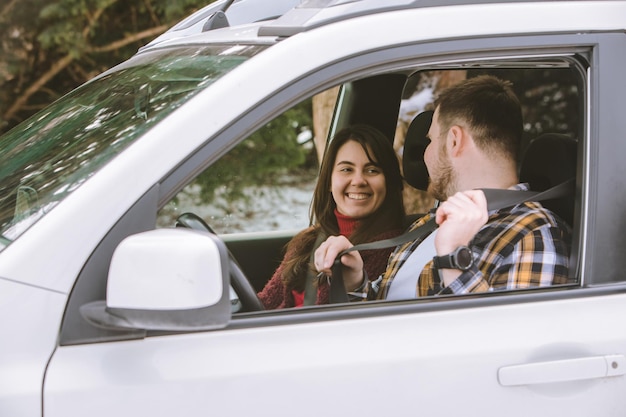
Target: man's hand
[(352, 262), (459, 218)]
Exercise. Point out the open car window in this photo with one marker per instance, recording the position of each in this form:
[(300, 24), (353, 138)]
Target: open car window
[(263, 184), (257, 196)]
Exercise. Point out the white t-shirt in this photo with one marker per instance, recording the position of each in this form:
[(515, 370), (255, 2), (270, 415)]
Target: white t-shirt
[(404, 284)]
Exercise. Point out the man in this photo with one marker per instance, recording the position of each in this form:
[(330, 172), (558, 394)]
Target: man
[(475, 135)]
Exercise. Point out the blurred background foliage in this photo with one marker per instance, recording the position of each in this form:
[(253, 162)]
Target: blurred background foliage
[(49, 47), (271, 155)]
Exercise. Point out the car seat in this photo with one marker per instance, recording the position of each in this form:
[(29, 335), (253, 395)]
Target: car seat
[(415, 143), (549, 160)]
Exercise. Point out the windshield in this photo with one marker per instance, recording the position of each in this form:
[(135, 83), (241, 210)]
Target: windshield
[(48, 156)]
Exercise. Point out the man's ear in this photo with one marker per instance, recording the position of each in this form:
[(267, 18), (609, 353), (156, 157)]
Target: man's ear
[(456, 140)]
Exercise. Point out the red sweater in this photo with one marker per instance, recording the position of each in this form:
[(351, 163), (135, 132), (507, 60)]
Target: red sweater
[(275, 295)]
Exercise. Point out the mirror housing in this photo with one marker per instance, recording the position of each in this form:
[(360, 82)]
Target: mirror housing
[(166, 279)]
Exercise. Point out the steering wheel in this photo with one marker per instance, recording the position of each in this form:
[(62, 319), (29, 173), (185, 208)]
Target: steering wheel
[(241, 285)]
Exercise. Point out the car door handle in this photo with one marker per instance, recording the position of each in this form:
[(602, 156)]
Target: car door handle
[(562, 370)]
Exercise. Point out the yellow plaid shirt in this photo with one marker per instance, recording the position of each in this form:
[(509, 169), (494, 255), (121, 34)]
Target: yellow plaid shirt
[(520, 247)]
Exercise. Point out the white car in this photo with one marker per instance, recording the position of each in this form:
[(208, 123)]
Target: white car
[(110, 310)]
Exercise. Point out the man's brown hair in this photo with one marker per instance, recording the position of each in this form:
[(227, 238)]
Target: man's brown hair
[(489, 108)]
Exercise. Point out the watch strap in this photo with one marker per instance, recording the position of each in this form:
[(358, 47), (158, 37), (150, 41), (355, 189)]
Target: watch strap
[(460, 258), (443, 262)]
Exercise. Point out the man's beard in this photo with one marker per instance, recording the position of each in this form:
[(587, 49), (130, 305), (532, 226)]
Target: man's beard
[(444, 185)]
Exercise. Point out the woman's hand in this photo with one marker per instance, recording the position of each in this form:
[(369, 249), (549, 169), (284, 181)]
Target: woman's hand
[(352, 262)]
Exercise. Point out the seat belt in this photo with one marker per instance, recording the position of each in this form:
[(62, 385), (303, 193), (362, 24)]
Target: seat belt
[(310, 289), (496, 199)]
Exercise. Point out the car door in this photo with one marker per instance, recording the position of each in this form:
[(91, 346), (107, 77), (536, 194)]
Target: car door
[(558, 350), (517, 358)]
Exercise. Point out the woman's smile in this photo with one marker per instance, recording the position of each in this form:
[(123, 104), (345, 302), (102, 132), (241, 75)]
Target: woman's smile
[(357, 183), (359, 196)]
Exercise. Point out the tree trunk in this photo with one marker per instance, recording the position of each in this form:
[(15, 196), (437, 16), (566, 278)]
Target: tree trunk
[(323, 107)]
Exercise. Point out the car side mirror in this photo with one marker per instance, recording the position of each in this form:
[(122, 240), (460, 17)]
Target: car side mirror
[(166, 279)]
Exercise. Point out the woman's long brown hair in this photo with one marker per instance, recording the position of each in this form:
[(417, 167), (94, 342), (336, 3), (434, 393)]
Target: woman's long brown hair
[(389, 216)]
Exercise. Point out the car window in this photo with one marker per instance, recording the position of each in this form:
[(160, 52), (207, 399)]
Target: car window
[(550, 93), (258, 195), (265, 183)]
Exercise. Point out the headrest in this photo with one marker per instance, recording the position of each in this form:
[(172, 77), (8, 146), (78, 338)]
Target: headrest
[(415, 143), (549, 160)]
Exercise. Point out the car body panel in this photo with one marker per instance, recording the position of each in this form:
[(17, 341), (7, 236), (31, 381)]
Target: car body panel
[(389, 365), (31, 319), (239, 13), (455, 14)]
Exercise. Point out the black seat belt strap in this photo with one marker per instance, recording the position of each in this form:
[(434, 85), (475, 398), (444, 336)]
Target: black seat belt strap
[(498, 199), (310, 287)]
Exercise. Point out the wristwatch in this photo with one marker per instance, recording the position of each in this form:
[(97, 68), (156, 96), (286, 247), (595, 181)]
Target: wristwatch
[(461, 259)]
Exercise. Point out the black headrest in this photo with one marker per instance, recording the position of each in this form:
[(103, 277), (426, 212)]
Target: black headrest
[(415, 143), (549, 160)]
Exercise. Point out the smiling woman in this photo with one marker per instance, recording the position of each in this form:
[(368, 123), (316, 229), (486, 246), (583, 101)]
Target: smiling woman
[(361, 170)]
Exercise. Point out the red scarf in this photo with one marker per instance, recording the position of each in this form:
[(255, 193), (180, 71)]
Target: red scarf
[(346, 224)]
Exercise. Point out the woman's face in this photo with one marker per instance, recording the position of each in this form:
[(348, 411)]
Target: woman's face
[(357, 185)]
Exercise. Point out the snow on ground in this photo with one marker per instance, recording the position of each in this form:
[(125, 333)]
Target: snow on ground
[(280, 207), (412, 106)]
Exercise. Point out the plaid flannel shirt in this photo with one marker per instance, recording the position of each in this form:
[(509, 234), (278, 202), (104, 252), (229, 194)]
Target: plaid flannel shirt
[(519, 247)]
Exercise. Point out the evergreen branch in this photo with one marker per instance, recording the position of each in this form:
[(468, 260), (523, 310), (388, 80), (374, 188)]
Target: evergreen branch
[(61, 64), (150, 9), (93, 20), (20, 102), (6, 10), (128, 39)]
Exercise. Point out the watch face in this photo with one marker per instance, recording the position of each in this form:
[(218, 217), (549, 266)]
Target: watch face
[(464, 258)]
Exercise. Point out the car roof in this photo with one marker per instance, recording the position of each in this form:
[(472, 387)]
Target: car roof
[(284, 18), (315, 13)]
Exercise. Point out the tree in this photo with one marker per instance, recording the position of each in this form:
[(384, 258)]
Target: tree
[(266, 156), (50, 47)]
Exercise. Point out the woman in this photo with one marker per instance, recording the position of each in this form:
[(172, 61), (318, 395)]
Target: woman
[(358, 195)]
